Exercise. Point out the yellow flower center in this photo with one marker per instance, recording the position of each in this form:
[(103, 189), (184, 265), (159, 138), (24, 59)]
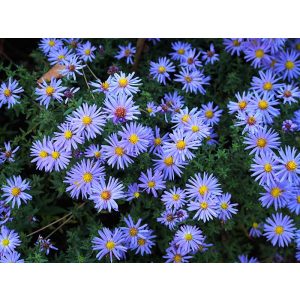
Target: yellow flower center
[(176, 197), (204, 205), (51, 43), (133, 231), (209, 114), (7, 93), (242, 104), (298, 46), (119, 151), (259, 53), (268, 168), (87, 177), (289, 65), (291, 165), (151, 184), (15, 191), (60, 57), (133, 139), (279, 230), (276, 192), (263, 104), (251, 120), (203, 190), (141, 242), (105, 85), (190, 60), (180, 51), (106, 195), (150, 110), (43, 154), (5, 242), (195, 128), (188, 237), (97, 154), (224, 205), (110, 245), (87, 120), (87, 51), (261, 142), (49, 90), (161, 69), (255, 225), (236, 43), (177, 258), (136, 194), (185, 118), (298, 199), (188, 79), (181, 145), (127, 52), (157, 141), (68, 134), (123, 82), (55, 154), (169, 161), (268, 86)]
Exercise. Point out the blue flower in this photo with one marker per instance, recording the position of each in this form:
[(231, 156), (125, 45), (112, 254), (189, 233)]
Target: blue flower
[(288, 65), (294, 202), (126, 52), (13, 257), (241, 104), (133, 192), (168, 218), (255, 230), (233, 46), (8, 154), (160, 70), (279, 230), (49, 43), (244, 259), (145, 244), (72, 66), (211, 115), (190, 60), (59, 55), (174, 198), (9, 93), (188, 238), (225, 208), (86, 51), (206, 208), (210, 56), (289, 93), (9, 240), (176, 255), (180, 49), (45, 245), (122, 84)]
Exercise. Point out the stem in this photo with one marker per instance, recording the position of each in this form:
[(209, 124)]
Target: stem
[(92, 72), (60, 226), (87, 83)]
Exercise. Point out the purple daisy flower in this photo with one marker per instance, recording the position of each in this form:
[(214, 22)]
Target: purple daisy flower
[(174, 198), (72, 65), (206, 208), (50, 43), (105, 195), (145, 244), (39, 152), (289, 126), (52, 91), (233, 46), (294, 202), (9, 93), (176, 255), (14, 191), (5, 213), (45, 245), (133, 192), (225, 208), (9, 240), (82, 176), (87, 120), (125, 84), (152, 109), (279, 230), (188, 238), (255, 230), (241, 104), (121, 108), (190, 60), (152, 182), (168, 218), (181, 117), (262, 141), (244, 259), (210, 56), (109, 243), (94, 151), (157, 141), (86, 51), (160, 70), (8, 154), (115, 153), (126, 52), (251, 121), (102, 86), (211, 115), (196, 128), (289, 93), (13, 257), (180, 49), (210, 139), (59, 55), (288, 65)]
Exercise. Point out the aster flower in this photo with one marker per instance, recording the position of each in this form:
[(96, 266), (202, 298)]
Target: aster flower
[(45, 245), (188, 238), (210, 56), (288, 167), (14, 191), (294, 202), (196, 127), (192, 81), (211, 115), (121, 108), (105, 195), (288, 65), (73, 43), (181, 117), (267, 82), (67, 138), (279, 230), (115, 153), (5, 213), (176, 255), (289, 126), (86, 51), (202, 187), (59, 55), (276, 44), (87, 120), (263, 168), (251, 121), (82, 176), (69, 93), (8, 154), (168, 218), (181, 145), (94, 151), (151, 182), (72, 66), (174, 101), (126, 52), (125, 84), (145, 244), (160, 70), (190, 60), (262, 141), (241, 104), (168, 166), (109, 243), (265, 105), (50, 43), (225, 208), (233, 45), (152, 109), (255, 230), (210, 139), (206, 208), (102, 86), (9, 240), (113, 69), (277, 194), (180, 49), (9, 92), (289, 93), (244, 259), (174, 198), (133, 192), (133, 232), (13, 257), (52, 91)]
